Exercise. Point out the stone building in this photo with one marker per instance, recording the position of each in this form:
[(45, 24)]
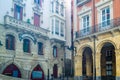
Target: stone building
[(96, 27), (32, 39)]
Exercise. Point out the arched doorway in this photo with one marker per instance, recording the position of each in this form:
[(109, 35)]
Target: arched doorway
[(12, 70), (37, 73), (55, 71), (108, 68), (87, 64)]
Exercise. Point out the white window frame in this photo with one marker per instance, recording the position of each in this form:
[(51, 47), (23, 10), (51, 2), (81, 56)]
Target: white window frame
[(100, 6), (83, 12)]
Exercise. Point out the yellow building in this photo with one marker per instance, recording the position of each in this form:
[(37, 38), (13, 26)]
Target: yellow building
[(97, 40)]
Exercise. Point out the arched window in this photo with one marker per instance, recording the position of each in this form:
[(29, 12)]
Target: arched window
[(26, 45), (54, 51), (10, 42), (12, 70)]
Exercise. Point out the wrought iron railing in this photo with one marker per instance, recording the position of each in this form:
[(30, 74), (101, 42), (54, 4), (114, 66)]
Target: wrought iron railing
[(104, 26)]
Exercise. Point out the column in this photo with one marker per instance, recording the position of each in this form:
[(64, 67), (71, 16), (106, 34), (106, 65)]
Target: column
[(78, 67), (117, 55), (89, 67), (98, 67)]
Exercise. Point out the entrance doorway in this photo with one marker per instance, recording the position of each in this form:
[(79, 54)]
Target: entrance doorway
[(108, 68), (87, 64)]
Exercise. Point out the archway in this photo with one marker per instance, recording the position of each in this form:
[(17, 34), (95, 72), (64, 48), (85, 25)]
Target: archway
[(108, 68), (87, 64), (12, 70), (37, 73)]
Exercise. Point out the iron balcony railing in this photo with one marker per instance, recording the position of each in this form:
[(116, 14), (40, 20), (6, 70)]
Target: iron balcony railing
[(104, 26)]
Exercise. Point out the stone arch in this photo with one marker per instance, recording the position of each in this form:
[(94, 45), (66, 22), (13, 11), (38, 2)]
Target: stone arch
[(11, 33), (82, 48), (14, 63), (102, 43), (106, 53), (35, 65)]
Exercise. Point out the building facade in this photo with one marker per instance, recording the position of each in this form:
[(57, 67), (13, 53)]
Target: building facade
[(97, 36), (32, 39)]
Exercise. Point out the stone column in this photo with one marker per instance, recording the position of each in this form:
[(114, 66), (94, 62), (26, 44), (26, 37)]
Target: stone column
[(117, 55), (88, 66), (78, 67), (98, 67)]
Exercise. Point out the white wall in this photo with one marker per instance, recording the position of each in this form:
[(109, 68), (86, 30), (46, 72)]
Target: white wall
[(68, 26)]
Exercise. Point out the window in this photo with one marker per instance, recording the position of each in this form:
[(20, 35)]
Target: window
[(54, 51), (18, 12), (85, 24), (52, 26), (62, 10), (62, 29), (109, 69), (26, 45), (57, 6), (105, 17), (52, 6), (38, 2), (10, 42), (40, 48), (109, 55), (36, 20), (57, 27)]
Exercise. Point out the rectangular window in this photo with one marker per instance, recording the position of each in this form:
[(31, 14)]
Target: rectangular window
[(18, 12), (57, 27), (105, 17), (62, 29), (62, 9), (52, 26), (40, 48), (36, 20), (57, 7), (109, 69), (38, 2), (10, 42), (26, 45), (54, 51), (85, 24), (109, 55), (52, 6)]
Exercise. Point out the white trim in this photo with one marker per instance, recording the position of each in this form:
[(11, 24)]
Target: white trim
[(83, 12), (103, 4)]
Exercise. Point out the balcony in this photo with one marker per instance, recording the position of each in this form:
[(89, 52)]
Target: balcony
[(14, 23), (108, 26), (82, 2)]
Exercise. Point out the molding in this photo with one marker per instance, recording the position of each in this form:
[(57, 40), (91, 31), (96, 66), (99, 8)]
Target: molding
[(30, 35), (84, 10)]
